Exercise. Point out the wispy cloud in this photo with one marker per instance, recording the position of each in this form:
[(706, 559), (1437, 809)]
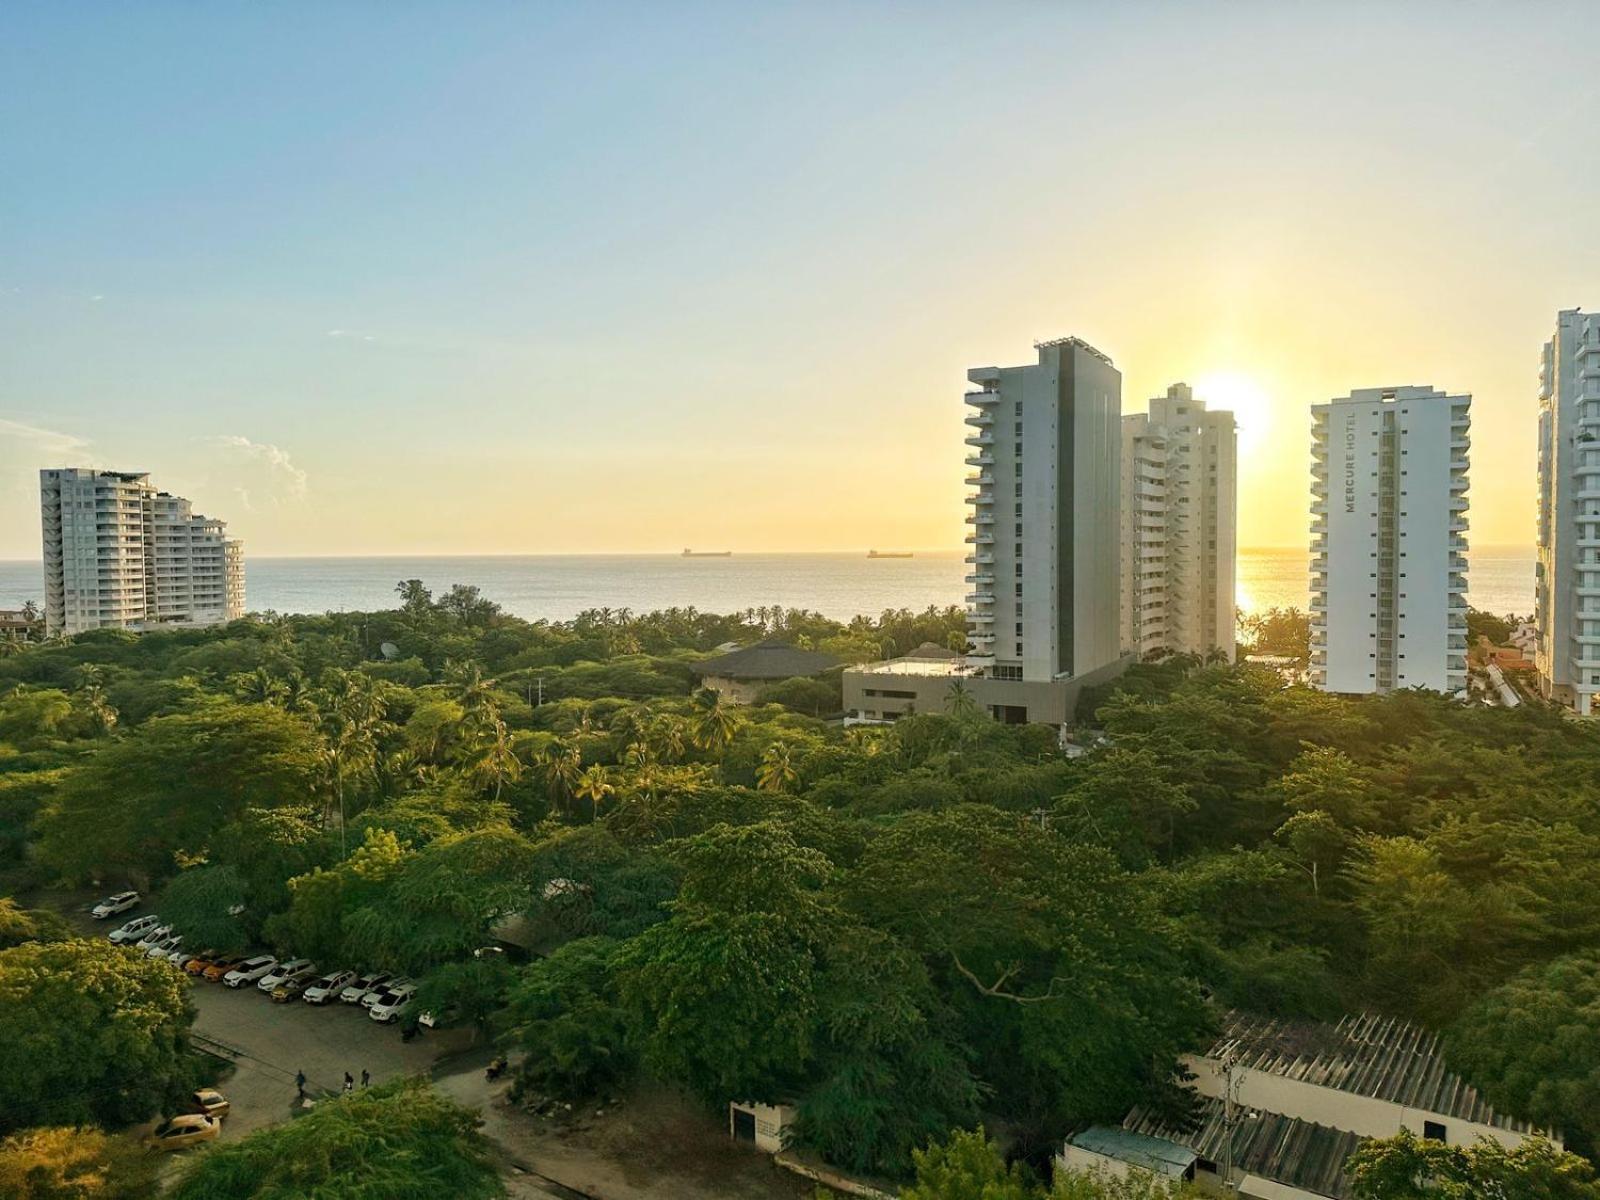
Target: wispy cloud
[(50, 444), (260, 469), (352, 335)]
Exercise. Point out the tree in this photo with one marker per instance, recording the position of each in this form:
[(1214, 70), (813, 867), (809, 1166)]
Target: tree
[(777, 771), (66, 1163), (714, 723), (399, 1140), (205, 904), (1406, 1167), (88, 1032), (140, 800), (595, 786), (967, 1166), (564, 1014), (415, 600), (18, 925), (1532, 1046), (561, 769)]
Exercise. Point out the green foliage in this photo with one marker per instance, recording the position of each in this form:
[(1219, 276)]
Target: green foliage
[(142, 800), (18, 925), (67, 1163), (1532, 1046), (400, 1140), (1406, 1167), (563, 1013), (967, 1166), (201, 904), (88, 1032)]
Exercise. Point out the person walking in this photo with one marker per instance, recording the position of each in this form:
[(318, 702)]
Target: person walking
[(366, 1079), (349, 1083), (300, 1085)]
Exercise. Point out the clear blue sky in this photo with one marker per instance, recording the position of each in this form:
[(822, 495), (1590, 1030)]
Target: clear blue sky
[(516, 277)]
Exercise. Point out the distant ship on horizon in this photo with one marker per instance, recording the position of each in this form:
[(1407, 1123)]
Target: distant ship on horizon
[(890, 554), (687, 553)]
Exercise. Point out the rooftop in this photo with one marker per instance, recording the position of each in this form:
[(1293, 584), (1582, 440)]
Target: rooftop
[(769, 659), (1381, 1057), (1298, 1153), (1156, 1154), (934, 668)]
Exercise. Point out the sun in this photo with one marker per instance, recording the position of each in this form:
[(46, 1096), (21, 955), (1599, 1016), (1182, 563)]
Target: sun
[(1244, 397)]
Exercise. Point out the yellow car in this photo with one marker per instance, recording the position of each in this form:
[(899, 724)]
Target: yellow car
[(209, 1102), (197, 964), (220, 967), (179, 1133)]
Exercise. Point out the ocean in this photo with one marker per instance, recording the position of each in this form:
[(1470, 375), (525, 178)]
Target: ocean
[(557, 587)]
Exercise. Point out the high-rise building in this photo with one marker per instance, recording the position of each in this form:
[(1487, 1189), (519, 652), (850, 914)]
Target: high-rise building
[(1043, 607), (119, 554), (1179, 519), (1388, 541), (1567, 574)]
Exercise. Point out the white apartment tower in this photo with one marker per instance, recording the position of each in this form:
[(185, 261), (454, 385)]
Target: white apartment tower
[(1045, 454), (1567, 574), (1179, 520), (1388, 544), (119, 554)]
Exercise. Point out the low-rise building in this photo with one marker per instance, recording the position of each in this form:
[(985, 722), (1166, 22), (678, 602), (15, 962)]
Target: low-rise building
[(1285, 1103), (739, 675)]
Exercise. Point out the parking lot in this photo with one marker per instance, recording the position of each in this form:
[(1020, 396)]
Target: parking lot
[(269, 1042)]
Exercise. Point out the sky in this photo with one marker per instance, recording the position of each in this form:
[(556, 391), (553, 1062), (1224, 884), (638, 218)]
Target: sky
[(387, 278)]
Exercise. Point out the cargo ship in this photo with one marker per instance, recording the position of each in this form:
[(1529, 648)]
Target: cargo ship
[(687, 553), (889, 554)]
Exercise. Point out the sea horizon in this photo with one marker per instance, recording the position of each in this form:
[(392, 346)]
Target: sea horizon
[(838, 584)]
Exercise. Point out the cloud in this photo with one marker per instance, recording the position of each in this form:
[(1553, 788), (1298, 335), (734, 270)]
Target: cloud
[(260, 469), (350, 333), (49, 444)]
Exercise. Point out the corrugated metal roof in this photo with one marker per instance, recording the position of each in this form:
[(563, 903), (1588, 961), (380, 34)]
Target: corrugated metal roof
[(1127, 1145), (1299, 1154), (1385, 1058)]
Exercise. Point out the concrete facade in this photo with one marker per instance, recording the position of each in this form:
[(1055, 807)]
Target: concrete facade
[(882, 693), (1388, 541), (118, 554), (1179, 521), (1567, 574)]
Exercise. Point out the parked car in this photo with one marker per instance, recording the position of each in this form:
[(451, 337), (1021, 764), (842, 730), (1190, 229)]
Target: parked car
[(189, 1129), (329, 986), (367, 985), (443, 1019), (151, 937), (220, 968), (250, 970), (382, 993), (135, 929), (393, 1003), (294, 986), (165, 946), (197, 963), (282, 971), (181, 958), (112, 905), (210, 1102)]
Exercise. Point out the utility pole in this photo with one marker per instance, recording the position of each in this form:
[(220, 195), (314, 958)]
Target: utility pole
[(1230, 1097)]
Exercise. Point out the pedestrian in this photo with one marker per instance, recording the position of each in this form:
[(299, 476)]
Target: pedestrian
[(349, 1083), (366, 1079), (300, 1084)]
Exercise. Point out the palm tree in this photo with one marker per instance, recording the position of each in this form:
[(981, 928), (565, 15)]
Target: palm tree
[(496, 763), (639, 755), (259, 687), (669, 740), (12, 643), (561, 768), (714, 722), (101, 714), (594, 785), (296, 694), (473, 692), (777, 771)]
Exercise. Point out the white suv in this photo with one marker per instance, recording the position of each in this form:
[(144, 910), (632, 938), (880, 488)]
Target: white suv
[(329, 986), (135, 929), (393, 1002), (112, 905), (250, 970), (367, 985), (282, 972)]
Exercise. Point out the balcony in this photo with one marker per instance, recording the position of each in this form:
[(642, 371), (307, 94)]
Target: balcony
[(980, 439), (983, 459), (980, 518), (979, 479), (982, 578), (980, 420), (980, 598), (985, 397)]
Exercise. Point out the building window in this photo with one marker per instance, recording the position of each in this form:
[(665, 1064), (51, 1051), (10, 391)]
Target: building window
[(1433, 1131)]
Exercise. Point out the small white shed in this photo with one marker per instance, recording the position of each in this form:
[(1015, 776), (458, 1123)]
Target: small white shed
[(765, 1126)]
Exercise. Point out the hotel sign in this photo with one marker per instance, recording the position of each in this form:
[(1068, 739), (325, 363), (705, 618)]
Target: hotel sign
[(1350, 462)]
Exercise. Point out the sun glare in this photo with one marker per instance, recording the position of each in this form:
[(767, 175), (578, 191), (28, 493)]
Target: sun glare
[(1244, 397)]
